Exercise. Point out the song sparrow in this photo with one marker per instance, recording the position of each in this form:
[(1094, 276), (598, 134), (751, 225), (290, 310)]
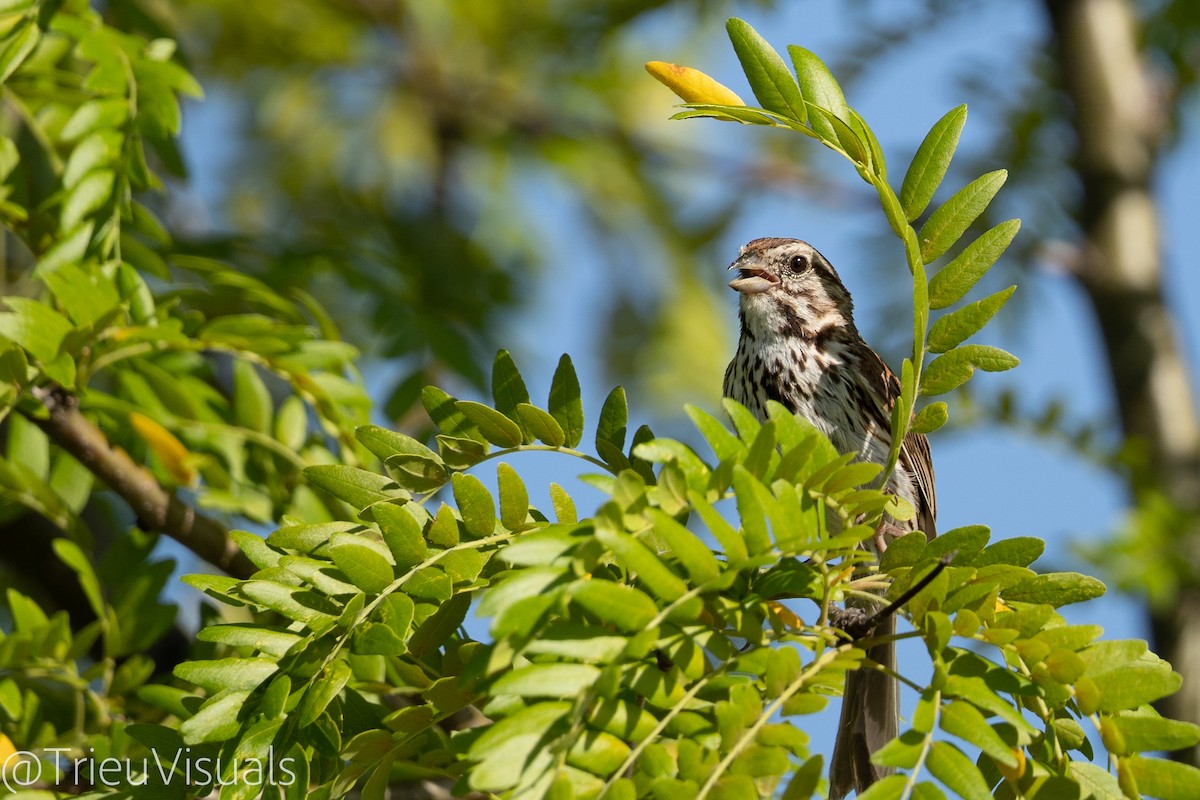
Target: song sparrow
[(799, 347)]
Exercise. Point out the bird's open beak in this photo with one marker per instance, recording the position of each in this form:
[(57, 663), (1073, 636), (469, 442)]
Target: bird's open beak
[(752, 280)]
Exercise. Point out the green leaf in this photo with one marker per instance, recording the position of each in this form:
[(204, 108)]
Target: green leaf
[(564, 506), (444, 412), (965, 542), (819, 88), (21, 40), (955, 328), (1136, 684), (514, 498), (437, 629), (85, 296), (950, 221), (460, 452), (746, 116), (376, 639), (227, 673), (271, 641), (693, 554), (397, 611), (540, 425), (1020, 551), (548, 680), (91, 194), (1167, 780), (877, 162), (417, 473), (639, 559), (1113, 653), (496, 427), (1145, 730), (961, 719), (1056, 589), (951, 370), (890, 788), (1096, 783), (723, 442), (851, 475), (34, 326), (902, 752), (361, 561), (70, 554), (475, 505), (217, 719), (384, 443), (540, 547), (623, 606), (843, 137), (401, 533), (726, 535), (955, 279), (951, 767), (291, 423), (753, 502), (252, 405), (929, 165), (100, 149), (355, 486), (302, 605), (507, 750), (766, 72), (614, 417), (322, 691), (508, 388), (566, 401), (930, 418)]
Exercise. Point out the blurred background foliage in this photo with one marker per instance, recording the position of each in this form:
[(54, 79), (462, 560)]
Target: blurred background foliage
[(395, 157)]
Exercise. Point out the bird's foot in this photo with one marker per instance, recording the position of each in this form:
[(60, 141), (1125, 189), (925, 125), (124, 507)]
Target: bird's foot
[(856, 622)]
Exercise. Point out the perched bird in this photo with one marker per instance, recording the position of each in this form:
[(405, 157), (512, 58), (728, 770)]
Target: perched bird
[(799, 347)]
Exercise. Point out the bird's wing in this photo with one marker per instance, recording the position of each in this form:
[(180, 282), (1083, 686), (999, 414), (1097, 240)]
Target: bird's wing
[(915, 456)]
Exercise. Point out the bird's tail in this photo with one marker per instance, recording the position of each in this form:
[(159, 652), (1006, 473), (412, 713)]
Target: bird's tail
[(870, 719)]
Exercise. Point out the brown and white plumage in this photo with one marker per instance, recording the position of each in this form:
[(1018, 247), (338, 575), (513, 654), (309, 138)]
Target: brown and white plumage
[(799, 347)]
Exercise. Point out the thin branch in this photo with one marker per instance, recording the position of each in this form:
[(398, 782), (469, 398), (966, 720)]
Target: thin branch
[(156, 508), (856, 623)]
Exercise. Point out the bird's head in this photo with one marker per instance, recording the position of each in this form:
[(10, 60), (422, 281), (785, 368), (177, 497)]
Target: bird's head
[(788, 287)]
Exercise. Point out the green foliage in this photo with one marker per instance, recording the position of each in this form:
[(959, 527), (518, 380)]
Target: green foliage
[(671, 643), (90, 108), (653, 648)]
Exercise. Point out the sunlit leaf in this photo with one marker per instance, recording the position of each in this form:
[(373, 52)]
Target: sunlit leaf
[(692, 85), (952, 218), (931, 161), (955, 328), (955, 279), (768, 75), (951, 370), (566, 402)]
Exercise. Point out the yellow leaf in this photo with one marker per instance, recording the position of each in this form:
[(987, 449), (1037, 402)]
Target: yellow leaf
[(1014, 774), (7, 749), (692, 85), (786, 615), (169, 449)]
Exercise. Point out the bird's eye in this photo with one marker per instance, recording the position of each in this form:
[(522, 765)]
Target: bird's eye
[(799, 263)]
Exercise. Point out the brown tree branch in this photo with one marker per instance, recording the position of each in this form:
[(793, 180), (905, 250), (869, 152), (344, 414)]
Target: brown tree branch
[(1121, 123), (156, 508)]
